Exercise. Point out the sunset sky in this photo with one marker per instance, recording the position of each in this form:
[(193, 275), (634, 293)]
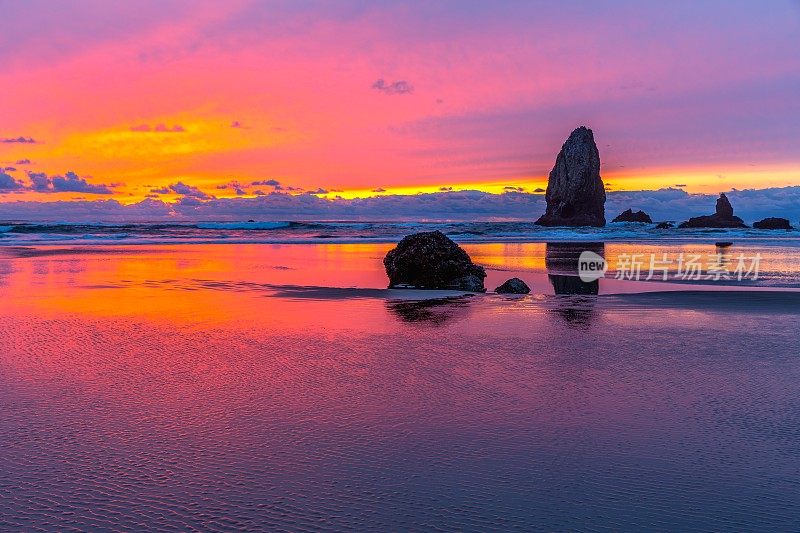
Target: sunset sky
[(171, 100)]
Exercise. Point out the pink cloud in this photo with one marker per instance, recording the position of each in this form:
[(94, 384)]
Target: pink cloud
[(496, 87)]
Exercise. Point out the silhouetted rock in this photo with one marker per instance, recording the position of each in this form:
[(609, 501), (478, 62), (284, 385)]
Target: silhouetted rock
[(773, 223), (575, 192), (630, 215), (665, 225), (430, 260), (723, 218), (513, 286), (724, 208)]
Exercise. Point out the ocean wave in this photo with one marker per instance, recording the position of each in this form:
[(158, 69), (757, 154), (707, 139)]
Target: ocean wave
[(277, 232), (243, 225)]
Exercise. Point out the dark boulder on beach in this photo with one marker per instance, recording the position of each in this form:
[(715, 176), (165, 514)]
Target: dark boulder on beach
[(513, 286), (665, 225), (722, 218), (575, 193), (773, 223), (430, 260), (630, 215)]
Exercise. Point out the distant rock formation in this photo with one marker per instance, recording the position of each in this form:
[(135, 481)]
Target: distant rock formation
[(723, 218), (513, 286), (430, 260), (575, 192), (630, 215), (773, 223), (724, 208), (665, 225)]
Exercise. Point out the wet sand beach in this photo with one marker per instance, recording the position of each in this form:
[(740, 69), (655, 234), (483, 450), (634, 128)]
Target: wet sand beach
[(282, 387)]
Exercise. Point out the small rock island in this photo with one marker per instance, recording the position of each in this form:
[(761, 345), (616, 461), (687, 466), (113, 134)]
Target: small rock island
[(773, 223), (629, 215), (722, 218)]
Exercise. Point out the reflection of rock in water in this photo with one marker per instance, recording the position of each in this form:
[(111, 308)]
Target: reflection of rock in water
[(575, 310), (561, 260), (573, 285), (436, 311)]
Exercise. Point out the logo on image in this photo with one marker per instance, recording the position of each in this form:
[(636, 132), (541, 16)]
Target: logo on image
[(591, 266)]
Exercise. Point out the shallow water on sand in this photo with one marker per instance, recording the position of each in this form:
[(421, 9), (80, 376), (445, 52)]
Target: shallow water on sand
[(215, 388)]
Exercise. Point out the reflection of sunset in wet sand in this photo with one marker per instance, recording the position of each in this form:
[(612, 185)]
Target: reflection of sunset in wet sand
[(219, 281), (219, 387)]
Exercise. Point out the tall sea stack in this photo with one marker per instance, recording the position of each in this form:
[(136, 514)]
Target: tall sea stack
[(575, 192)]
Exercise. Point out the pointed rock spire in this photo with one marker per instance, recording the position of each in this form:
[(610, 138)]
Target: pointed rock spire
[(575, 192)]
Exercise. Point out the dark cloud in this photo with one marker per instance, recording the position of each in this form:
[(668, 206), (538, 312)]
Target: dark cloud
[(39, 181), (189, 201), (162, 190), (396, 87), (9, 183), (379, 189), (268, 183), (22, 162), (276, 185), (539, 189), (318, 191), (680, 185), (159, 128), (69, 182), (445, 189), (189, 191), (239, 126), (509, 188), (235, 186), (20, 140), (664, 204)]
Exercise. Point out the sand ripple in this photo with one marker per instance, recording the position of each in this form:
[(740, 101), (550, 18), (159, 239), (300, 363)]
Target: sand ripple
[(473, 415)]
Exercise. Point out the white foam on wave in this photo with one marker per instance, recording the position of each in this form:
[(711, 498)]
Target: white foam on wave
[(243, 225)]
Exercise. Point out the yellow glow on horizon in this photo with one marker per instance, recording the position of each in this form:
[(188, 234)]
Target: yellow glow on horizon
[(692, 181), (208, 152)]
